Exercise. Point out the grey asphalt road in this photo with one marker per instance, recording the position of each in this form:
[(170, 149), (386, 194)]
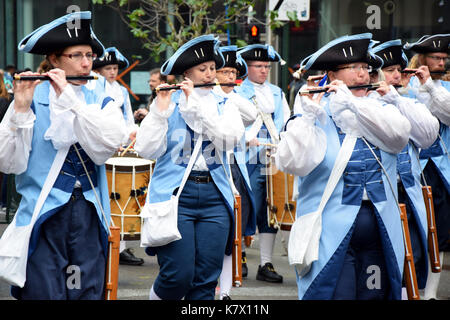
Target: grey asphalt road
[(135, 281)]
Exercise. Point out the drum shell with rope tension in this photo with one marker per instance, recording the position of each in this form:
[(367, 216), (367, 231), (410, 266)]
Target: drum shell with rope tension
[(128, 179), (280, 205)]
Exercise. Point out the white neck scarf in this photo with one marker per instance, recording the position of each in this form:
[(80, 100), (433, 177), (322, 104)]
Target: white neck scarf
[(264, 97)]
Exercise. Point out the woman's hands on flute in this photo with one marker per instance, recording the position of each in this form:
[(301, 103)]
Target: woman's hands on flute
[(163, 97), (384, 88), (59, 81), (23, 92), (187, 86)]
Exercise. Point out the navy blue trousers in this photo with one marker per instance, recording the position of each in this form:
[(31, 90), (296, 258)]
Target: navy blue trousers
[(69, 261), (364, 273), (258, 185), (190, 267)]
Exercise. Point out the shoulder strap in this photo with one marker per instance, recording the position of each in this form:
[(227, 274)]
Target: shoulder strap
[(50, 181), (268, 121)]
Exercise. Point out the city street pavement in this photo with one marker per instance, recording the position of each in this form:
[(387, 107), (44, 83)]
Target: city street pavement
[(135, 281)]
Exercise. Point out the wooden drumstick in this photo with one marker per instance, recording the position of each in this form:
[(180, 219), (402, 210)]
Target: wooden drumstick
[(317, 77), (268, 145), (128, 148)]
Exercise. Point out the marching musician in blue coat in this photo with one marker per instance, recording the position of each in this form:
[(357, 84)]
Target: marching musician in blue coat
[(432, 55), (360, 246), (54, 124), (424, 131), (108, 66), (190, 266), (273, 111), (236, 68)]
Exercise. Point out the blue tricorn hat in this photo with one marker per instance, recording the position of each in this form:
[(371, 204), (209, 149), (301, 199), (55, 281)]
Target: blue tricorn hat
[(194, 52), (111, 56), (234, 60), (343, 50), (392, 53), (427, 44), (260, 52), (69, 30)]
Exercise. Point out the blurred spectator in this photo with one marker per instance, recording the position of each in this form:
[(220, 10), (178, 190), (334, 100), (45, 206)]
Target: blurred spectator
[(156, 78), (7, 79), (5, 98)]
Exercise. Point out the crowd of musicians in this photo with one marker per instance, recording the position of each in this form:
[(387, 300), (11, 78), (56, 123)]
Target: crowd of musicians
[(367, 143)]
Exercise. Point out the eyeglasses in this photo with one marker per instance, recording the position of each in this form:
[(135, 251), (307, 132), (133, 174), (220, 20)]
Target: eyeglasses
[(78, 56), (260, 66), (392, 69), (226, 73), (436, 58), (355, 68)]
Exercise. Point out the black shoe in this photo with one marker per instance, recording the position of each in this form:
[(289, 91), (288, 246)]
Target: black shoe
[(244, 265), (226, 297), (268, 273), (127, 257)]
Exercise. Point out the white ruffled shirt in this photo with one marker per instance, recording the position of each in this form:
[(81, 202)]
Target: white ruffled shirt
[(424, 126), (303, 145), (201, 115), (99, 131), (434, 96), (246, 108), (114, 90)]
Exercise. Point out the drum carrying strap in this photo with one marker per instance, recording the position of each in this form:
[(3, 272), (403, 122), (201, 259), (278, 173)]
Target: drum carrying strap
[(15, 240), (93, 189), (264, 118)]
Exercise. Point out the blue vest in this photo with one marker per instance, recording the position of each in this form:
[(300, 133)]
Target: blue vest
[(339, 215), (125, 102), (437, 151), (42, 154), (171, 166)]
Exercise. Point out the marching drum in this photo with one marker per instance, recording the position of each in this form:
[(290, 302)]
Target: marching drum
[(280, 206), (128, 180)]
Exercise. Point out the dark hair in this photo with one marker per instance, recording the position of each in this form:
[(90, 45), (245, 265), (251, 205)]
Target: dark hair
[(57, 53), (162, 78), (44, 66)]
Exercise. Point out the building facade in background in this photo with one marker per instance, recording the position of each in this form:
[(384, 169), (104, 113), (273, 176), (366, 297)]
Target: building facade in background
[(328, 19)]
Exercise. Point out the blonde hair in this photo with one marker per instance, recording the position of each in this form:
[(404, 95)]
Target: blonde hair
[(415, 61)]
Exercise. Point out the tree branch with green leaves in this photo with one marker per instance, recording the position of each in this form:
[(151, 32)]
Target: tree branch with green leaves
[(164, 24)]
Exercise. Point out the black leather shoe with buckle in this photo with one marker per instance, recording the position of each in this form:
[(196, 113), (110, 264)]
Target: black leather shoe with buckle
[(127, 257), (268, 273)]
